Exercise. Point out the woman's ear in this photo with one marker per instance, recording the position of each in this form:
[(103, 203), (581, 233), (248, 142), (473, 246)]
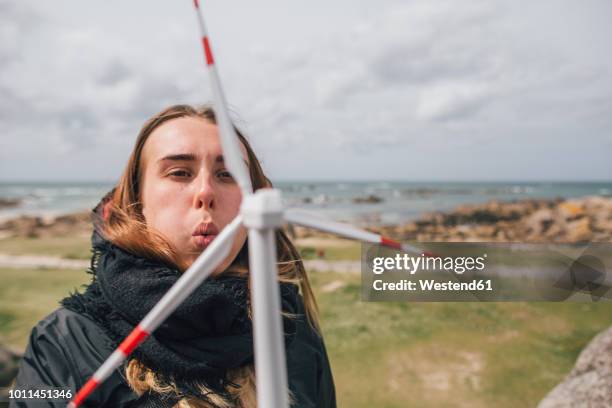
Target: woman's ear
[(106, 208)]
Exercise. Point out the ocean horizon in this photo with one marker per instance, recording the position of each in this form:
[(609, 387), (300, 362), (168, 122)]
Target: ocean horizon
[(361, 202)]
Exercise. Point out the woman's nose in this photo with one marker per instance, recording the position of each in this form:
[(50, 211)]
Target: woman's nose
[(205, 195)]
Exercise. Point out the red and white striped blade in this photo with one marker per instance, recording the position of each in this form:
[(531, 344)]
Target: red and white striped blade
[(307, 219), (212, 256), (229, 139)]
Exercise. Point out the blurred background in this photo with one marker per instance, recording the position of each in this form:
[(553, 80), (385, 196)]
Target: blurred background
[(424, 120)]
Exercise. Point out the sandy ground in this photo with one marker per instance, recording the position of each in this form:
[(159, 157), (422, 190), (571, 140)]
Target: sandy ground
[(42, 262), (50, 262)]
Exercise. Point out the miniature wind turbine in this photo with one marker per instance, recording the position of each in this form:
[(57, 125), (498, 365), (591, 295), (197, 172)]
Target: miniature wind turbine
[(261, 213)]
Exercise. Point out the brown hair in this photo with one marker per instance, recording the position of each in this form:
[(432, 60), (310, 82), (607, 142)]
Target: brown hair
[(125, 226)]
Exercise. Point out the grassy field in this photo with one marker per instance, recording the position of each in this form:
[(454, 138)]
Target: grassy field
[(78, 247), (384, 354), (27, 295), (450, 354)]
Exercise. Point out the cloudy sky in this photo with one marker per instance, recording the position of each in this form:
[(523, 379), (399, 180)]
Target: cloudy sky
[(326, 90)]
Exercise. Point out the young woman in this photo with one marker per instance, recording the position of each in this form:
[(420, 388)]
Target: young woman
[(173, 198)]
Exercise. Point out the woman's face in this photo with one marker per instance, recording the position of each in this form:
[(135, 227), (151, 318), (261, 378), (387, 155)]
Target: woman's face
[(188, 195)]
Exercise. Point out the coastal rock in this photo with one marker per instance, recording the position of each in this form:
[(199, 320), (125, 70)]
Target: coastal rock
[(38, 227), (24, 226), (589, 384), (370, 199), (579, 230), (571, 210), (543, 220), (539, 222), (9, 202)]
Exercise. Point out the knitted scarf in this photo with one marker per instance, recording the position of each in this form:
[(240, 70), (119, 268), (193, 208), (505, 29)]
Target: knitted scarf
[(209, 333)]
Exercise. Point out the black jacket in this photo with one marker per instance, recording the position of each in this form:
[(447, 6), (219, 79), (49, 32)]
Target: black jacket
[(65, 349)]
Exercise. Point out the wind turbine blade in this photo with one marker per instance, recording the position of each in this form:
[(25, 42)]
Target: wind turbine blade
[(262, 214), (307, 219), (269, 344), (229, 139), (212, 256)]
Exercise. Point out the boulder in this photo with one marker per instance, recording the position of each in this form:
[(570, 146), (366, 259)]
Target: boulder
[(370, 199), (579, 230), (589, 384), (24, 226), (571, 209), (9, 202), (40, 227), (539, 222)]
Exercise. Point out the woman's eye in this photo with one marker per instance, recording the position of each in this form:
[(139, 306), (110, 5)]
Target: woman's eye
[(226, 175), (179, 173)]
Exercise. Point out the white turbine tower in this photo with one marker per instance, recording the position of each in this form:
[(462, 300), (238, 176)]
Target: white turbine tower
[(261, 213)]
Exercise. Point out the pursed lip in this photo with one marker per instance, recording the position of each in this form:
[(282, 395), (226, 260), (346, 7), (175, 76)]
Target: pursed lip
[(206, 228), (204, 234)]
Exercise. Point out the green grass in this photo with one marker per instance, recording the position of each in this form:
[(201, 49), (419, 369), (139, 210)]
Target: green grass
[(27, 295), (78, 247), (450, 354), (383, 354), (332, 249), (72, 247)]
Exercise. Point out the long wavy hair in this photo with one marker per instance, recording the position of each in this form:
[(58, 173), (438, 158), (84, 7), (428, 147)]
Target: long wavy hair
[(125, 226)]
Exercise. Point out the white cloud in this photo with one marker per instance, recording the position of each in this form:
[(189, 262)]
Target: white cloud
[(447, 101), (369, 79)]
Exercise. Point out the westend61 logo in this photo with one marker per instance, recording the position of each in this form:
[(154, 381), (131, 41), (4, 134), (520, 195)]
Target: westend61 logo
[(488, 272)]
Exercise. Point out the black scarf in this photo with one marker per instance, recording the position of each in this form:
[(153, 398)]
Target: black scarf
[(208, 334)]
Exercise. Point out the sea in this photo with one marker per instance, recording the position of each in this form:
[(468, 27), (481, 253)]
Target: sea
[(360, 202)]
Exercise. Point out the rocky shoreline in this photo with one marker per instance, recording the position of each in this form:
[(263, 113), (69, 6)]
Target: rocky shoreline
[(28, 226), (544, 220)]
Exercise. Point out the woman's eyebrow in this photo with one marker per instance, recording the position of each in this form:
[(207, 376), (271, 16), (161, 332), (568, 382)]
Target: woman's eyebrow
[(179, 157), (190, 157)]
